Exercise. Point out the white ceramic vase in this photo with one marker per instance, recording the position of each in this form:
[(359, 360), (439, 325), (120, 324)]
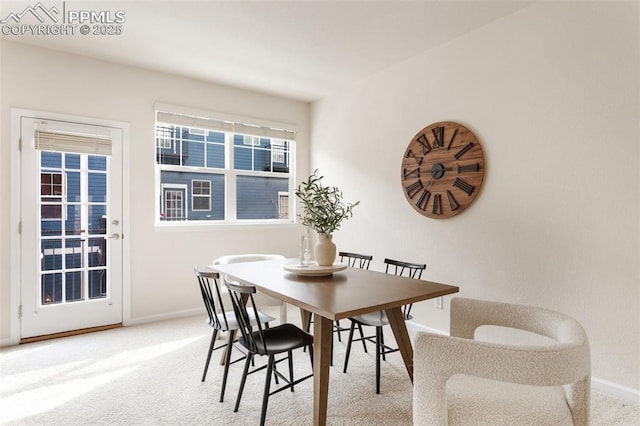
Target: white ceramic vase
[(325, 250)]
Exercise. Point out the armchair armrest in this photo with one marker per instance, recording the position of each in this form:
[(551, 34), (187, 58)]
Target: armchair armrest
[(437, 358)]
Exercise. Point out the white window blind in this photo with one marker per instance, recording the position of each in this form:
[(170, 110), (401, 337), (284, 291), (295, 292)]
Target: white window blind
[(224, 126), (76, 143)]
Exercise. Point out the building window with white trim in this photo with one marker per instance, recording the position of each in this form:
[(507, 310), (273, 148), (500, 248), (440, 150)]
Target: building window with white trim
[(201, 195), (237, 171)]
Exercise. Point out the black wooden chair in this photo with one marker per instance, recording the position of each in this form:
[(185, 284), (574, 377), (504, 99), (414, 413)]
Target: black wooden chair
[(221, 320), (379, 319), (283, 338), (355, 260)]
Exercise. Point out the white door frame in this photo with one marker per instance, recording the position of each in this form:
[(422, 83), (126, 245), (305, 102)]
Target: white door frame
[(15, 164)]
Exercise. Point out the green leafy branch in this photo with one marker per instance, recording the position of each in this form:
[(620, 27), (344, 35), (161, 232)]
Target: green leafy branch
[(323, 209)]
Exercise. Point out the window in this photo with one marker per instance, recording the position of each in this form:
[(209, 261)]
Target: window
[(51, 193), (173, 205), (201, 195), (231, 172)]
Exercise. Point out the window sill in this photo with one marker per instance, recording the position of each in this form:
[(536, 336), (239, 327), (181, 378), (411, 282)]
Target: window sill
[(186, 226)]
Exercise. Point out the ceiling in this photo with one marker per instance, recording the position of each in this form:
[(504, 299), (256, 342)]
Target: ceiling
[(297, 49)]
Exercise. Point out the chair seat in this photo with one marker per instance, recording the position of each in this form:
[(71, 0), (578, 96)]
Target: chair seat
[(281, 338), (499, 403), (373, 319), (232, 321)]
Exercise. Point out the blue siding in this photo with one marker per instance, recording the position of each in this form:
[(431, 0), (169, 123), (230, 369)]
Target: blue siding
[(217, 192), (257, 197)]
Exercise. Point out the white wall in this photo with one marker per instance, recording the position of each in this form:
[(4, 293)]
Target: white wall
[(552, 92), (162, 262)]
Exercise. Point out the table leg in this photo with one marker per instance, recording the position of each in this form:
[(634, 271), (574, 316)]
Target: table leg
[(304, 318), (322, 332), (399, 327), (231, 337)]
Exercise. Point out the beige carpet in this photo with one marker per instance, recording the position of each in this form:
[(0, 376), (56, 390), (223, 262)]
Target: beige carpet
[(150, 375)]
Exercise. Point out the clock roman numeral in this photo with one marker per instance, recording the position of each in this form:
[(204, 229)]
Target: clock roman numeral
[(452, 202), (411, 173), (410, 154), (437, 204), (455, 132), (413, 189), (438, 134), (422, 140), (463, 150), (459, 183), (423, 200), (469, 168)]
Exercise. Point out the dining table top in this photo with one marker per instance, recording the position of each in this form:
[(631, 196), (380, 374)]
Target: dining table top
[(342, 294)]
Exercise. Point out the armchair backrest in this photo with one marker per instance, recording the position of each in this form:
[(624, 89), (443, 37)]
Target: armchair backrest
[(571, 355)]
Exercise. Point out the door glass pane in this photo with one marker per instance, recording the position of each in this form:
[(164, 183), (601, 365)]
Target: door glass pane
[(97, 252), (73, 187), (97, 218), (73, 253), (98, 284), (73, 222), (97, 187), (72, 161), (51, 288), (73, 286), (51, 255), (50, 228), (97, 162)]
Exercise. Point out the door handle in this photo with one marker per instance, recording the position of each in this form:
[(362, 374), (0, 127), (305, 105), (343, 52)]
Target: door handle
[(114, 236)]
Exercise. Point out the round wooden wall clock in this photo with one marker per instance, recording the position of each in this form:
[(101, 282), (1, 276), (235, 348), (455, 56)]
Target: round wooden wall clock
[(442, 170)]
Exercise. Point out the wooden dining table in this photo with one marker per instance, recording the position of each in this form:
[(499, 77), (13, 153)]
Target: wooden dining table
[(341, 295)]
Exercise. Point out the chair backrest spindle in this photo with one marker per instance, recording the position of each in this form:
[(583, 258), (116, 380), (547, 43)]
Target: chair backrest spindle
[(208, 282), (356, 260), (414, 270), (243, 303)]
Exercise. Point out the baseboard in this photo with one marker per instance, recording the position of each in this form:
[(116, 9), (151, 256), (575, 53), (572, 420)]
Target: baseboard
[(414, 327), (166, 316), (9, 342), (627, 394)]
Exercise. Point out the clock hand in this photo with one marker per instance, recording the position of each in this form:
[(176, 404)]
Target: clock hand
[(430, 182)]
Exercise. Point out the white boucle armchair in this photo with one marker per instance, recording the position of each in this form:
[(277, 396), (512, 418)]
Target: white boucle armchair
[(462, 381)]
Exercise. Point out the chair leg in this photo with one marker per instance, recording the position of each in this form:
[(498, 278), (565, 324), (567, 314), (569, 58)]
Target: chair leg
[(378, 352), (226, 366), (362, 339), (267, 386), (227, 348), (339, 330), (243, 380), (331, 360), (382, 347), (211, 345), (346, 355), (290, 356)]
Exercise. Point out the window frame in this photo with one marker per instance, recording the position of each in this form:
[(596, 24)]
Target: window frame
[(208, 196), (228, 171)]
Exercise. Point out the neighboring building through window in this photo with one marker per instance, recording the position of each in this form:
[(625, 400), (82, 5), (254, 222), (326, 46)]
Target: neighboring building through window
[(228, 171), (51, 192), (201, 195)]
